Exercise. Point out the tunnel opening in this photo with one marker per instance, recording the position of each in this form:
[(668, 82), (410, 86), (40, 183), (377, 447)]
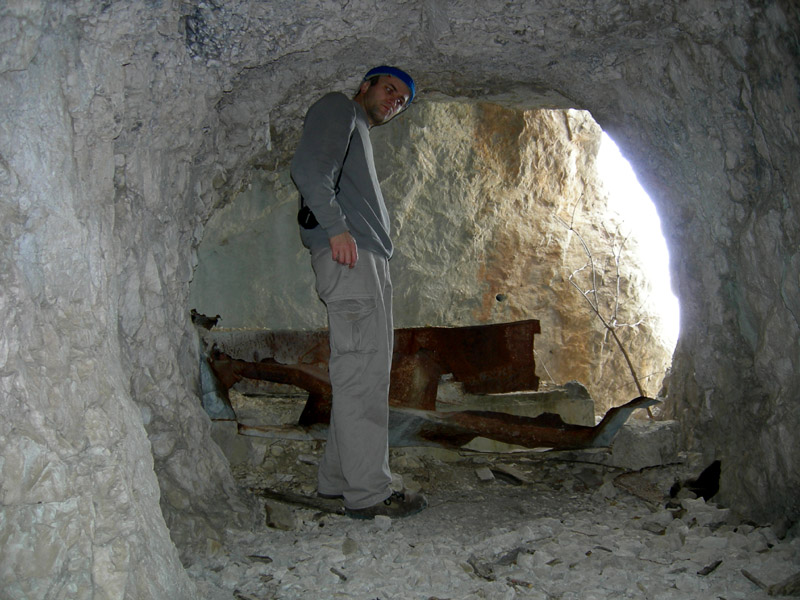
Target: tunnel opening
[(628, 199)]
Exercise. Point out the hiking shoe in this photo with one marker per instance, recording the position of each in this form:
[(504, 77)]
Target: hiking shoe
[(399, 504), (330, 496)]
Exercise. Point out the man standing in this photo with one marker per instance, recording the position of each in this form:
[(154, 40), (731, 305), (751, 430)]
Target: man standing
[(345, 224)]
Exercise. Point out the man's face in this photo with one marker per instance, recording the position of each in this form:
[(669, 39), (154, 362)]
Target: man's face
[(384, 99)]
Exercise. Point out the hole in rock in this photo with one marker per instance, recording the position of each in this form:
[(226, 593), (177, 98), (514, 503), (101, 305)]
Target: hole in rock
[(629, 199)]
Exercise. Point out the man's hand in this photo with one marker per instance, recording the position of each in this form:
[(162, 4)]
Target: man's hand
[(343, 249)]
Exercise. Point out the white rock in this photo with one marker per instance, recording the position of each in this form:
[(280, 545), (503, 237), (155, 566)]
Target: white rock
[(713, 542), (484, 474), (676, 533), (607, 490), (382, 523)]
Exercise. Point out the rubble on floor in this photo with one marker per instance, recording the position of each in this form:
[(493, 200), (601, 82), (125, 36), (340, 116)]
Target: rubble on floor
[(539, 525)]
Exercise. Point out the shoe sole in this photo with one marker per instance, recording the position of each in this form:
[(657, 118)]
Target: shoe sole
[(355, 514), (330, 496)]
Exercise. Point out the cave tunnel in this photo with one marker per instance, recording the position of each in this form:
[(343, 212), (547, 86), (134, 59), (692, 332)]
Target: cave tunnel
[(128, 126), (482, 230)]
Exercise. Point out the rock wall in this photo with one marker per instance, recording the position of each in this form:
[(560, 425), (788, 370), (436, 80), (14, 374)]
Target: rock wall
[(485, 198), (482, 199), (126, 125), (97, 353), (735, 234)]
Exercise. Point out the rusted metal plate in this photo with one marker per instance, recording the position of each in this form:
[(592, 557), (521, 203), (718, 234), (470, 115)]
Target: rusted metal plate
[(487, 359)]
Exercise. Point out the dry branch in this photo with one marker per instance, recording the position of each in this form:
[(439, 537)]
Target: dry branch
[(592, 298)]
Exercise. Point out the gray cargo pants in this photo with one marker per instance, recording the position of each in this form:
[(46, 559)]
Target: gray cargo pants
[(359, 303)]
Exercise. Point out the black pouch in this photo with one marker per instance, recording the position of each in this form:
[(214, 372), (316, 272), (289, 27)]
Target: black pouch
[(306, 218)]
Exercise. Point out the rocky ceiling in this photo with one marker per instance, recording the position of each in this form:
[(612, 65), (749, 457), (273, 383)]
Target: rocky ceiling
[(126, 125)]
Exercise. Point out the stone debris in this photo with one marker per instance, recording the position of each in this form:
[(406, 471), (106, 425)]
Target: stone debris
[(279, 516), (509, 474), (307, 459), (559, 533), (382, 523), (484, 474)]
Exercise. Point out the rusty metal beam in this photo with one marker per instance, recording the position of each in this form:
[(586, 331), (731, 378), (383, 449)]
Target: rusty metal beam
[(545, 431), (311, 378), (452, 430)]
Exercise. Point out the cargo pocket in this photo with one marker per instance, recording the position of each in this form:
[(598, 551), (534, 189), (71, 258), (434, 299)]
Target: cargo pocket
[(353, 325)]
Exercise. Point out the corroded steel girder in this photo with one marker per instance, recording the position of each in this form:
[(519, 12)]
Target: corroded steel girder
[(454, 429), (485, 358), (412, 427)]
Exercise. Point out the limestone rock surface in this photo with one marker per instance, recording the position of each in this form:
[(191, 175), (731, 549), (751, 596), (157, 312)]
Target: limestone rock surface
[(126, 125)]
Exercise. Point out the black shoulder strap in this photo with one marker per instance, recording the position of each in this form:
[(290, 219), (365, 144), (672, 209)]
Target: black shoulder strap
[(305, 217)]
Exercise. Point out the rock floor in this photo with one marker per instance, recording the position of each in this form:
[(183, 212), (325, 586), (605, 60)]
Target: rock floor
[(567, 531), (549, 526)]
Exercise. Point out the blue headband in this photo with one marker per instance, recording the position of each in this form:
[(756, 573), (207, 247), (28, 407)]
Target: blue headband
[(394, 72)]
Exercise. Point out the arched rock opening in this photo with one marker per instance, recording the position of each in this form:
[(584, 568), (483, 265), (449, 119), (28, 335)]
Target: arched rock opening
[(127, 124), (487, 202)]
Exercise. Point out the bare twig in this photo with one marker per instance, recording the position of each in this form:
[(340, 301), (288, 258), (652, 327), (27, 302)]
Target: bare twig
[(592, 298)]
